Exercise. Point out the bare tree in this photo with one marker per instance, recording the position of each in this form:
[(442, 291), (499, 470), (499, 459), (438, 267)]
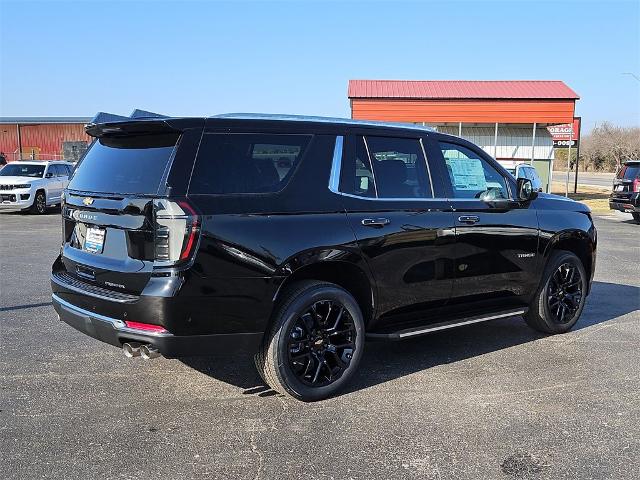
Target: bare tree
[(607, 146)]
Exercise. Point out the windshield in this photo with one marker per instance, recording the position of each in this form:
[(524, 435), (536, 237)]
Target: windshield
[(134, 164), (22, 170)]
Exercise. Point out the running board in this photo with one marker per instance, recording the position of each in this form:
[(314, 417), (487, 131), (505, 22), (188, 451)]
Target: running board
[(422, 330)]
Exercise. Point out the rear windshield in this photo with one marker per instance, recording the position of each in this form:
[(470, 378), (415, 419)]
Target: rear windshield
[(246, 163), (125, 165), (630, 171), (22, 170)]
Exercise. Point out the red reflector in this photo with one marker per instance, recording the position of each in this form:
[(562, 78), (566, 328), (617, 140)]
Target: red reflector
[(636, 185), (147, 327)]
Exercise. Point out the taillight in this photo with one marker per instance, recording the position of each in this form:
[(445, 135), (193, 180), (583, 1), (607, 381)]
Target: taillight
[(636, 185), (176, 231)]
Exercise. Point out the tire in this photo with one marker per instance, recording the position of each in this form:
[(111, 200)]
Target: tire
[(560, 299), (636, 216), (39, 206), (315, 343)]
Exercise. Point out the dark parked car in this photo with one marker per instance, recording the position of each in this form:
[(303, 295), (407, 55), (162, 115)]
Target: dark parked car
[(625, 195), (190, 236)]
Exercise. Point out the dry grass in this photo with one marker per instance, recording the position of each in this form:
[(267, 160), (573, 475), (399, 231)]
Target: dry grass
[(596, 198)]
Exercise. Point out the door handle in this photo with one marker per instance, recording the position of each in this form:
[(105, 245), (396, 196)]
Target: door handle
[(375, 222), (468, 219)]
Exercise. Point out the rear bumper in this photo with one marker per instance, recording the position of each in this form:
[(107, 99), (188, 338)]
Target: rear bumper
[(624, 207), (625, 201), (115, 332)]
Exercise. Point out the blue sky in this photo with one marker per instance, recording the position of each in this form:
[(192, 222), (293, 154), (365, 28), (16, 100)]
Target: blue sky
[(201, 58)]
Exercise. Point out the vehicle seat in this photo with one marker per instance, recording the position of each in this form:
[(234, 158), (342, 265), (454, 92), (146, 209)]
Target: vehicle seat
[(391, 176)]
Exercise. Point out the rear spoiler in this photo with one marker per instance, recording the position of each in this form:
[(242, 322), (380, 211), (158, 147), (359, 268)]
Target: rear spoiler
[(140, 121)]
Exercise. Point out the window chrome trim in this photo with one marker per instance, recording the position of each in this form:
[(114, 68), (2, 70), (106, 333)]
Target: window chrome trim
[(426, 161), (373, 170), (336, 165)]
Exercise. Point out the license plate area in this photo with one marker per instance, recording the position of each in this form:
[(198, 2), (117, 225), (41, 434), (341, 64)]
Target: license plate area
[(620, 188), (94, 240)]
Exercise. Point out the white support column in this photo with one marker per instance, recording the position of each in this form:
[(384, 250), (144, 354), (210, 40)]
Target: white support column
[(495, 142), (533, 142), (460, 129)]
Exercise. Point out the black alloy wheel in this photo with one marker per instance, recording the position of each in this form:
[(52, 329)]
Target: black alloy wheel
[(315, 342), (321, 343), (564, 293)]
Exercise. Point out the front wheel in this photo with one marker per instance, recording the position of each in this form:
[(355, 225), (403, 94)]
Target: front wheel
[(636, 216), (315, 343), (39, 206), (560, 299)]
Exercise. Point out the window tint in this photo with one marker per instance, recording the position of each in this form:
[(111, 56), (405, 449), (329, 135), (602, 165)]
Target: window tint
[(629, 171), (399, 168), (129, 165), (356, 177), (471, 175), (57, 170), (246, 163)]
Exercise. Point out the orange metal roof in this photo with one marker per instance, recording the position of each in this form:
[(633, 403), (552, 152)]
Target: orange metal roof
[(461, 89)]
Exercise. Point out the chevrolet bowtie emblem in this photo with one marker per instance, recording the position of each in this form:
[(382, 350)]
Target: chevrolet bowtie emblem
[(87, 201)]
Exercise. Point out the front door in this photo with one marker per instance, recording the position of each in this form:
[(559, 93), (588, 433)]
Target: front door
[(496, 260), (405, 235)]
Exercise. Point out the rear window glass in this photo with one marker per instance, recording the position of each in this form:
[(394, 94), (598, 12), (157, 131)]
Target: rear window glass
[(246, 163), (125, 165), (630, 171)]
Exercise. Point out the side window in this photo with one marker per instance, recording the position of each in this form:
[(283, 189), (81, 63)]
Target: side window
[(399, 168), (471, 175), (54, 171), (356, 176), (246, 163)]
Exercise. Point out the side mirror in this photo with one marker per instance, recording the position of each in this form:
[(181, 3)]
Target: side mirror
[(48, 175), (525, 190)]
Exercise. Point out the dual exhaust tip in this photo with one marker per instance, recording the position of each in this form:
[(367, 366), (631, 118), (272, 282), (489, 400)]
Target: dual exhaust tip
[(132, 350)]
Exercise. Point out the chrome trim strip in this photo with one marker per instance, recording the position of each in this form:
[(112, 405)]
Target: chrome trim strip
[(114, 322), (336, 165), (373, 170), (426, 161), (459, 324), (86, 292), (305, 118)]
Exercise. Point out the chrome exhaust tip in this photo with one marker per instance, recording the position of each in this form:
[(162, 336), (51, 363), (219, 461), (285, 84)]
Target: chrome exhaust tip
[(148, 352), (131, 350)]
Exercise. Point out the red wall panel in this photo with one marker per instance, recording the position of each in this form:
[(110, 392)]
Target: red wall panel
[(45, 138)]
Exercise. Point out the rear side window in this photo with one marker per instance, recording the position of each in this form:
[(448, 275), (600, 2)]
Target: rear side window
[(133, 164), (246, 163), (630, 171)]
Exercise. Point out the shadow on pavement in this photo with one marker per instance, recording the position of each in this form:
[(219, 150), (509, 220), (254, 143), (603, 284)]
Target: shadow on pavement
[(385, 361)]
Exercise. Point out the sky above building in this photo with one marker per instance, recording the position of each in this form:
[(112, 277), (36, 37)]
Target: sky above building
[(201, 58)]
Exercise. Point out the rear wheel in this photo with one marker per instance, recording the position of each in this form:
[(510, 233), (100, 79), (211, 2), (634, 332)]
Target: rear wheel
[(316, 341), (560, 299), (636, 216), (39, 206)]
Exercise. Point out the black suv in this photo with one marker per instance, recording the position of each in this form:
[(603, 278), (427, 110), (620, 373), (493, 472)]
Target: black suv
[(297, 238), (625, 195)]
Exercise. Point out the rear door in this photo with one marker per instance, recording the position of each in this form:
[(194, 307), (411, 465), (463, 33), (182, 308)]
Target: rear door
[(112, 208), (53, 183), (496, 237), (405, 235)]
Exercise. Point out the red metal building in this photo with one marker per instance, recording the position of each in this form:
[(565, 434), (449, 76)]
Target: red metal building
[(43, 138)]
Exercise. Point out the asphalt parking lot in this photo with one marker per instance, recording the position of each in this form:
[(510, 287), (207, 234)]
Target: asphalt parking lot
[(494, 400)]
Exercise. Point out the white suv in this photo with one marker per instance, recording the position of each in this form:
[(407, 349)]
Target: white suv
[(33, 185)]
